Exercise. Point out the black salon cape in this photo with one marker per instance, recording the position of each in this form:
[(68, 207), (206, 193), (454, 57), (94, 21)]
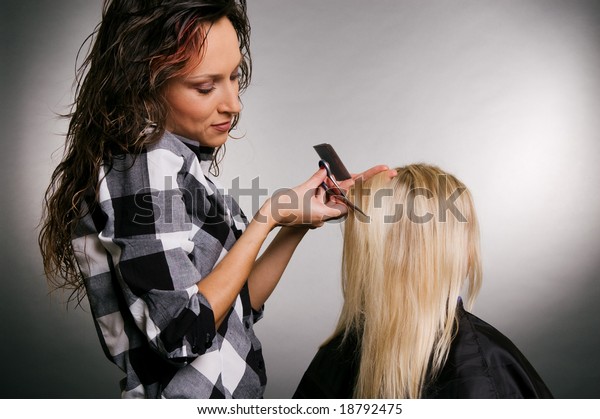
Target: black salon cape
[(482, 363)]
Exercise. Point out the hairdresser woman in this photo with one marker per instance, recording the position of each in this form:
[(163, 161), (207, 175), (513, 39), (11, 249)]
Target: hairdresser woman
[(134, 217)]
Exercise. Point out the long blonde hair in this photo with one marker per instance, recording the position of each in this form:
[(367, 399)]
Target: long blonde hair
[(403, 270)]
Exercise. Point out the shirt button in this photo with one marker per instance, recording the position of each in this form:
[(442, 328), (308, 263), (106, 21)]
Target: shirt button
[(247, 324), (208, 341)]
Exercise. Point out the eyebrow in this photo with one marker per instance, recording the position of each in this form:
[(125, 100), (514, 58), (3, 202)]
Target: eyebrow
[(211, 76), (203, 77)]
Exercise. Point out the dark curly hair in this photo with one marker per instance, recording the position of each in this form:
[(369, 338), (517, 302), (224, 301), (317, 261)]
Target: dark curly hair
[(119, 105)]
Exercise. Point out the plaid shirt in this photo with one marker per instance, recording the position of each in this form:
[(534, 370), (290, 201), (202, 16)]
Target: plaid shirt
[(159, 225)]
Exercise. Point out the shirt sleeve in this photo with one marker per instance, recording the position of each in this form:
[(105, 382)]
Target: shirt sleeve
[(149, 234)]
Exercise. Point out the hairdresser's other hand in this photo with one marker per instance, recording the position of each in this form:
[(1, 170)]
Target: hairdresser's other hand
[(366, 175), (306, 205)]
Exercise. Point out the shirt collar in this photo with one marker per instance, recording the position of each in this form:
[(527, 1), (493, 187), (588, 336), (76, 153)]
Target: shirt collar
[(204, 153)]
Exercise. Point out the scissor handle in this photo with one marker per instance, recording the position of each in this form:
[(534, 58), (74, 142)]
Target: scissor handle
[(341, 194), (323, 163)]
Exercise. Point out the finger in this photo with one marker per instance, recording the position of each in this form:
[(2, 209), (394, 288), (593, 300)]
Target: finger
[(317, 225), (316, 179), (321, 194), (335, 210), (367, 174), (347, 184)]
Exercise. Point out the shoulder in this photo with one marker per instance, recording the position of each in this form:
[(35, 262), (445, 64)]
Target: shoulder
[(332, 372), (167, 153), (165, 164), (484, 363)]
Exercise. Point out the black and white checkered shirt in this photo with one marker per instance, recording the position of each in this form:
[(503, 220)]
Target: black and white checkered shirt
[(159, 226)]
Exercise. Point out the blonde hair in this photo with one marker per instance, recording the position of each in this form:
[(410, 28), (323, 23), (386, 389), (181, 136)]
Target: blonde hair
[(403, 270)]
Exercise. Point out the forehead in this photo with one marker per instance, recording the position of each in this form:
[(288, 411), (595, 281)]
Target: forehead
[(220, 52)]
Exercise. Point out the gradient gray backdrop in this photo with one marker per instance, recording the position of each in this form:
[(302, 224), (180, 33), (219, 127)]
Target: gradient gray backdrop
[(503, 93)]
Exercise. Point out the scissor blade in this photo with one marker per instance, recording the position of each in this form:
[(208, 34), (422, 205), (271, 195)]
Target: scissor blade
[(346, 201)]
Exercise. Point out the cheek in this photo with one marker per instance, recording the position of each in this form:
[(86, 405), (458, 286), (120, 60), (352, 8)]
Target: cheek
[(182, 102), (197, 108)]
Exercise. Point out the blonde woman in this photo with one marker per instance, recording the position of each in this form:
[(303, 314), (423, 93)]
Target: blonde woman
[(403, 331)]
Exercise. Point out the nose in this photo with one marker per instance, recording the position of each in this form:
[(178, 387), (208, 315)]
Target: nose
[(230, 101)]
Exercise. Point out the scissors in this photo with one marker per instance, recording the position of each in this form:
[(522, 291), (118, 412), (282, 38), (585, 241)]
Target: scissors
[(341, 195)]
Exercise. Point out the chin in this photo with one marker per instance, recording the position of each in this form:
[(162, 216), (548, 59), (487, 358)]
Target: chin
[(216, 141)]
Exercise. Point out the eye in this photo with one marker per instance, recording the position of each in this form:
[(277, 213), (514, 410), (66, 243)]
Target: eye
[(204, 89), (236, 76)]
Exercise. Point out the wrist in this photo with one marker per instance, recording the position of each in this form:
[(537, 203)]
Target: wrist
[(296, 230), (264, 215)]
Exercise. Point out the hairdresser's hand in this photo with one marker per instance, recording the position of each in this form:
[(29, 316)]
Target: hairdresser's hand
[(306, 205), (366, 175)]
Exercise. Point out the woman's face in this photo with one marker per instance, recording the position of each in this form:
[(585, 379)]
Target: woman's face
[(204, 101)]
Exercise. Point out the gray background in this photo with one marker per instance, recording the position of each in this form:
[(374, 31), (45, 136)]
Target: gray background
[(505, 94)]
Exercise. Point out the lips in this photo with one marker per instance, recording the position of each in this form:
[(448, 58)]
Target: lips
[(223, 126)]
